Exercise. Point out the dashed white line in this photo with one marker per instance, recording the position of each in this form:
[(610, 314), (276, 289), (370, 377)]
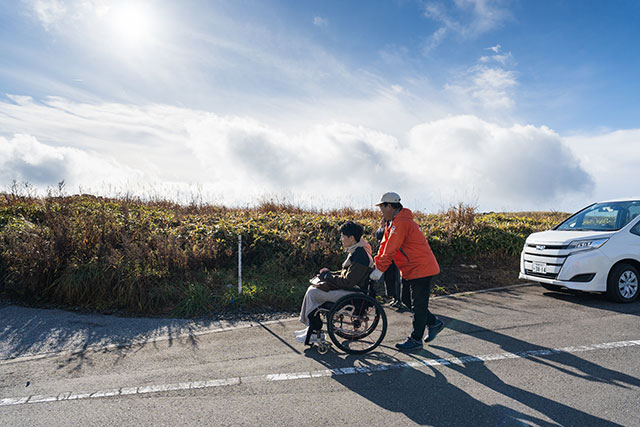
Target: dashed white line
[(292, 376)]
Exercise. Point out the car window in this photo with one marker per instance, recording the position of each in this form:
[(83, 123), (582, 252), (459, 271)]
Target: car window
[(636, 229), (608, 216)]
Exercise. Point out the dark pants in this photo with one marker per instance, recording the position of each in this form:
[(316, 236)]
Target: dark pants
[(418, 301), (392, 281)]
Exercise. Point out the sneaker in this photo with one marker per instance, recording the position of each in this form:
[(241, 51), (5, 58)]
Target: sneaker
[(433, 330), (409, 344), (301, 332), (315, 338), (401, 308), (389, 303)]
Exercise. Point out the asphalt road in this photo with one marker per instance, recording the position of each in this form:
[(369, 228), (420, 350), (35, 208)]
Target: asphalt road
[(520, 356)]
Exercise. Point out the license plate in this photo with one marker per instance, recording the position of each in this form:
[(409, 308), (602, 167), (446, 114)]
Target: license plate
[(539, 267)]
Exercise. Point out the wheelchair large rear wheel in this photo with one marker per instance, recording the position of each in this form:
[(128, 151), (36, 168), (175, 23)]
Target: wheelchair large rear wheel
[(356, 323)]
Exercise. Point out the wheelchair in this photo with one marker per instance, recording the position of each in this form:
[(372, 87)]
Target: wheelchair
[(356, 323)]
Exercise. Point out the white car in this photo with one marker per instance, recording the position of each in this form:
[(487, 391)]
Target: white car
[(595, 250)]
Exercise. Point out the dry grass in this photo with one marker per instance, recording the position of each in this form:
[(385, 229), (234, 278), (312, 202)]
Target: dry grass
[(125, 254)]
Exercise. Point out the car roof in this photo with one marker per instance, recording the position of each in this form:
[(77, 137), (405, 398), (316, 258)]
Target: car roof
[(625, 199)]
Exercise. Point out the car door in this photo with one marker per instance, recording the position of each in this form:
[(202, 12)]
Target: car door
[(634, 241)]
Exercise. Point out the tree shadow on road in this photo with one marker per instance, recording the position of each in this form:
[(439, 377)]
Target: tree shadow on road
[(26, 332)]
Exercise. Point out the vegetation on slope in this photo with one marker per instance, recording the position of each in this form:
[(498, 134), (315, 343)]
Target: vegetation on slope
[(126, 255)]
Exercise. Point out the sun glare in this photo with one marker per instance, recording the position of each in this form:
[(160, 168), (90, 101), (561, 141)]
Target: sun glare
[(132, 24)]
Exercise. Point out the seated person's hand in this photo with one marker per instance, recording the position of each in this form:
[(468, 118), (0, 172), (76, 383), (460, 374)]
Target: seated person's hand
[(322, 270), (324, 273), (375, 275)]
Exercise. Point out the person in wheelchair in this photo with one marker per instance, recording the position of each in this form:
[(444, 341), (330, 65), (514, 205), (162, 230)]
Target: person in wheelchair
[(331, 286)]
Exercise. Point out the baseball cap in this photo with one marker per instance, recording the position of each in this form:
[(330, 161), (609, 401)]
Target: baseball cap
[(389, 198)]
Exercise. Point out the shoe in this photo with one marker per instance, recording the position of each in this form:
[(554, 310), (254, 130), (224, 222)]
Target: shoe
[(401, 308), (315, 338), (433, 330), (409, 344), (301, 332)]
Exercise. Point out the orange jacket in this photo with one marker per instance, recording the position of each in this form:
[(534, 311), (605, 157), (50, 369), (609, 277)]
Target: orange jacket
[(405, 245)]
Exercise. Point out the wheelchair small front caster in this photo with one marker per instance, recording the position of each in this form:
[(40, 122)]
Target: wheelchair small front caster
[(323, 348)]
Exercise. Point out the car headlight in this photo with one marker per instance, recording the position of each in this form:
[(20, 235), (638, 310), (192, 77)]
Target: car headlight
[(585, 245)]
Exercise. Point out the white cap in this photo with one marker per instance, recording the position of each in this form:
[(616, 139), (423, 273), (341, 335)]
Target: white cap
[(389, 198)]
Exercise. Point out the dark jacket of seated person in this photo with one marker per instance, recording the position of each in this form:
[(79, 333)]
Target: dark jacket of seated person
[(355, 270)]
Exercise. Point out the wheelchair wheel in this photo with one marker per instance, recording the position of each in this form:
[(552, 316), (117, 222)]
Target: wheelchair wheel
[(356, 323)]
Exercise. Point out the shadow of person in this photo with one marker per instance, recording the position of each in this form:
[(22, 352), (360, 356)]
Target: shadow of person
[(567, 363), (422, 394), (556, 411)]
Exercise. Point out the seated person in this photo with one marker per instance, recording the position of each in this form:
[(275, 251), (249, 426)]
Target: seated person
[(334, 285)]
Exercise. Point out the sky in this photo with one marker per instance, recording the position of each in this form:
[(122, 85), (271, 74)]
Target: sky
[(503, 105)]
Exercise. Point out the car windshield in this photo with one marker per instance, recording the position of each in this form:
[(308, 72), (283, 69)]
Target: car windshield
[(610, 216)]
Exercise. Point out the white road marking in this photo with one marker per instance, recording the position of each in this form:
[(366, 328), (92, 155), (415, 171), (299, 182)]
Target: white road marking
[(292, 376)]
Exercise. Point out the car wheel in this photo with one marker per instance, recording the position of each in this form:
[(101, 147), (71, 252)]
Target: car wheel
[(622, 285)]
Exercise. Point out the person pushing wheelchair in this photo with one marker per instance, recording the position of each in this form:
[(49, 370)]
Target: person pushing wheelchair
[(331, 286), (406, 246)]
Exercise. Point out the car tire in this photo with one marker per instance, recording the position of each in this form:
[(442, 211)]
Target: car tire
[(622, 285)]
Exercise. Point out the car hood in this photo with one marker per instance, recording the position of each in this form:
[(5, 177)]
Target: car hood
[(565, 237)]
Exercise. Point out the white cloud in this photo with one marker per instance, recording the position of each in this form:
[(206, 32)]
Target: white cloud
[(521, 167), (613, 158), (48, 12), (326, 158), (467, 18), (238, 160), (489, 88), (24, 159), (488, 85), (54, 13), (486, 15), (502, 59), (320, 22)]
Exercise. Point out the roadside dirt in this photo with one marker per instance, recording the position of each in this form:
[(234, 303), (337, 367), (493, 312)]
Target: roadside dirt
[(466, 275)]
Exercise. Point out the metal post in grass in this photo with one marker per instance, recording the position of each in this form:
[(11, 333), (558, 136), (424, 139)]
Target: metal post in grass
[(239, 264)]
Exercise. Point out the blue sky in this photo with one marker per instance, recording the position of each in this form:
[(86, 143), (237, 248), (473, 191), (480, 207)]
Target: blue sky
[(508, 105)]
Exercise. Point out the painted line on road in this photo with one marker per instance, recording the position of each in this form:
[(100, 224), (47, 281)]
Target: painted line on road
[(292, 376)]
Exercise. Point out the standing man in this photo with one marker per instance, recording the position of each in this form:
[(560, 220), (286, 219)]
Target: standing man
[(405, 245)]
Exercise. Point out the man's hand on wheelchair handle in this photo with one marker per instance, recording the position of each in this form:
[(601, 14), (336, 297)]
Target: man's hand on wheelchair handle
[(375, 275)]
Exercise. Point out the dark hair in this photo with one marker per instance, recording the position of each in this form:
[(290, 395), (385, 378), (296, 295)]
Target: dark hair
[(350, 228), (394, 205)]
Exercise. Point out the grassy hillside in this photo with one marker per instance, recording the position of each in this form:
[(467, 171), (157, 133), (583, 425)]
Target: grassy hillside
[(161, 258)]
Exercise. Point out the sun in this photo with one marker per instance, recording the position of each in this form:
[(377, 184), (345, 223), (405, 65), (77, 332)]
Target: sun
[(132, 24)]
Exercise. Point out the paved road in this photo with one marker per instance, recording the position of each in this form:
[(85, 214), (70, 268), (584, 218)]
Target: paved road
[(522, 356)]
